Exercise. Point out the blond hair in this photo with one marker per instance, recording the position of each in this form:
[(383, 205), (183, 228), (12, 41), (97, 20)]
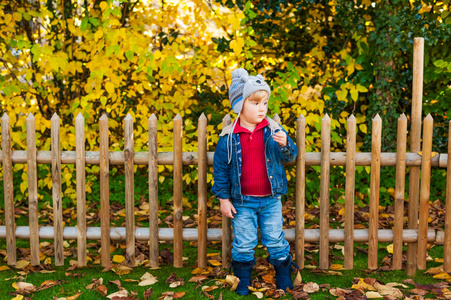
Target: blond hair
[(257, 96)]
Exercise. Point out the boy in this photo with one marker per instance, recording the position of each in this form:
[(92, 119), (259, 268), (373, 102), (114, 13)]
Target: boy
[(249, 180)]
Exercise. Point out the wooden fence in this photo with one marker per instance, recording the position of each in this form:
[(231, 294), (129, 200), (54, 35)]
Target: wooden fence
[(416, 236)]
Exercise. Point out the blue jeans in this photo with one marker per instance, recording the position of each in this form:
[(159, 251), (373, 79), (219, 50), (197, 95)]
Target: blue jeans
[(266, 212)]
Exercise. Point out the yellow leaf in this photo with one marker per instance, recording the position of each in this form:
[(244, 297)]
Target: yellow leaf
[(444, 276), (363, 128), (103, 5), (336, 267), (18, 297), (22, 264), (215, 263), (118, 258), (109, 86), (4, 268), (390, 248)]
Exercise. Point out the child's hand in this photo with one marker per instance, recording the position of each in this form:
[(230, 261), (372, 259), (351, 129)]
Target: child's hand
[(227, 208), (280, 137)]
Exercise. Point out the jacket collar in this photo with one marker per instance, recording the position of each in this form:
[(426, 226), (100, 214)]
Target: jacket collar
[(226, 130)]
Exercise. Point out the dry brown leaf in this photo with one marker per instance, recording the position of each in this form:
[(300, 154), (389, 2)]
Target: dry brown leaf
[(373, 295), (297, 280), (24, 286), (147, 282), (209, 288), (434, 271), (198, 278), (363, 286), (259, 295), (120, 293), (311, 287), (177, 284), (78, 294), (102, 290), (116, 282), (269, 278), (22, 264), (233, 281), (122, 270), (148, 293), (179, 295), (386, 290)]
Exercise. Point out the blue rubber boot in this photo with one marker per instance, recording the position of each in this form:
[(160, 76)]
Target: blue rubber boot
[(283, 272), (243, 270)]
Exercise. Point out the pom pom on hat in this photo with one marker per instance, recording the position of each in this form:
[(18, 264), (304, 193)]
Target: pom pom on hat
[(242, 86)]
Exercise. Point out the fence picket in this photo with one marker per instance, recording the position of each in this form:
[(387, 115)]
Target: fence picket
[(350, 193), (374, 192), (104, 191), (226, 223), (399, 192), (415, 146), (300, 192), (32, 190), (202, 192), (129, 191), (81, 192), (178, 192), (447, 250), (153, 192), (56, 191), (8, 190), (425, 191), (324, 193)]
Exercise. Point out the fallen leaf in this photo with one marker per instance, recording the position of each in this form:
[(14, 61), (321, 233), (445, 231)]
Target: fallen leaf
[(209, 288), (22, 264), (102, 290), (444, 276), (198, 278), (269, 278), (4, 268), (122, 270), (147, 282), (297, 280), (233, 281), (311, 287), (258, 294), (373, 295), (336, 267), (148, 293), (215, 263), (179, 295), (118, 258), (120, 293)]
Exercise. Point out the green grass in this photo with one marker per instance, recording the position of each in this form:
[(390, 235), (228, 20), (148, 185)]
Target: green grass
[(71, 285)]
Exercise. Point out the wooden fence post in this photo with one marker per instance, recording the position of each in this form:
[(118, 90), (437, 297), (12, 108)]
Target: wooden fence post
[(350, 193), (415, 146), (129, 190), (374, 192), (324, 193), (32, 190), (178, 192), (104, 191), (226, 223), (447, 250), (8, 190), (300, 192), (153, 192), (81, 192), (425, 191), (56, 191), (399, 192), (202, 192)]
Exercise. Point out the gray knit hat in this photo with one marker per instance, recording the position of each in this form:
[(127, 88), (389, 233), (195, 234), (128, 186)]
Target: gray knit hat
[(243, 86)]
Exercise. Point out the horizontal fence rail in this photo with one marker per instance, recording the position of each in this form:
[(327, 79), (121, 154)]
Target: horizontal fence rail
[(416, 233)]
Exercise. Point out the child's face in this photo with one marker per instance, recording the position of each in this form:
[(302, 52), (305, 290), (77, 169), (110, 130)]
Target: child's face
[(254, 111)]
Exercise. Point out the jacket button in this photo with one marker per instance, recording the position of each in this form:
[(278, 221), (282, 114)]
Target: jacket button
[(270, 177), (237, 184), (268, 160)]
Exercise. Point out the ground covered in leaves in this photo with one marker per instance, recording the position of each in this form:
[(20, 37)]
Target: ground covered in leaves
[(70, 281)]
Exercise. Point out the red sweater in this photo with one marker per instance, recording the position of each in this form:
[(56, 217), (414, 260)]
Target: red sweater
[(254, 176)]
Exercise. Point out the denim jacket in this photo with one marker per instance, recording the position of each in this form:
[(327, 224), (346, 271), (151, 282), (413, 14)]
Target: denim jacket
[(227, 175)]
